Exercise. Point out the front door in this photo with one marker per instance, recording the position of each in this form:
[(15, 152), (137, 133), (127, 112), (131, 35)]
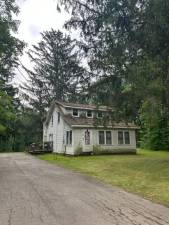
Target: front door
[(87, 141)]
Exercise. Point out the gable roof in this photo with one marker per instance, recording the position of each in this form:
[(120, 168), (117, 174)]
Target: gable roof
[(82, 121), (84, 106)]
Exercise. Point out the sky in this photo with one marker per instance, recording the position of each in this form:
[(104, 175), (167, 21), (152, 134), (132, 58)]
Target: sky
[(35, 17)]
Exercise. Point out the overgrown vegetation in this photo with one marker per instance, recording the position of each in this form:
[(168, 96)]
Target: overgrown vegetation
[(146, 174)]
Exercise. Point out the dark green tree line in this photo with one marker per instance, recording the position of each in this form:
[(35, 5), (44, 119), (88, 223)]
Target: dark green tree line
[(10, 49), (128, 40)]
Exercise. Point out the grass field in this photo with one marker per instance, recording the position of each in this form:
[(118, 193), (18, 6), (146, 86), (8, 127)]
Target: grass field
[(146, 173)]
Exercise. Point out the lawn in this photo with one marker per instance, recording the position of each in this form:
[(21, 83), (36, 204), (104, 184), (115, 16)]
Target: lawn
[(146, 173)]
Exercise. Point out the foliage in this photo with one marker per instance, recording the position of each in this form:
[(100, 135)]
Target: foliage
[(10, 50), (97, 150), (78, 150), (127, 46), (57, 72), (28, 129)]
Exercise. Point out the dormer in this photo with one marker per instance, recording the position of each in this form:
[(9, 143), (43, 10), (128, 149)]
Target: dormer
[(99, 114), (89, 114), (75, 112)]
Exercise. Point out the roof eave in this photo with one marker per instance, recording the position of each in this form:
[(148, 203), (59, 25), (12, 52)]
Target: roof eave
[(110, 127)]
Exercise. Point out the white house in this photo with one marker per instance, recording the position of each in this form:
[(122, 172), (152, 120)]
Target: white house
[(79, 128)]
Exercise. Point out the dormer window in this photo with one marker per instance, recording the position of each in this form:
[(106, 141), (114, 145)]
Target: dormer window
[(99, 114), (89, 114), (75, 112)]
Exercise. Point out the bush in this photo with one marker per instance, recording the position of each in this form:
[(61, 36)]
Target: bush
[(78, 150), (97, 150)]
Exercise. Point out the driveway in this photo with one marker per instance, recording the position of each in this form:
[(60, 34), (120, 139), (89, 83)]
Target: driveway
[(34, 192)]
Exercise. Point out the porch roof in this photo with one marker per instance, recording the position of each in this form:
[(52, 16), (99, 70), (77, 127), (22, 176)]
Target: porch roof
[(80, 122)]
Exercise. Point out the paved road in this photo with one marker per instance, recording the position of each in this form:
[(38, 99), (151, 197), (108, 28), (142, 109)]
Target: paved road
[(34, 192)]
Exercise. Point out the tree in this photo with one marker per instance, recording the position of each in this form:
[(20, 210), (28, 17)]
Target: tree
[(10, 49), (57, 73), (128, 40)]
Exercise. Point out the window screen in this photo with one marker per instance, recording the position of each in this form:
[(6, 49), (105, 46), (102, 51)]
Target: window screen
[(127, 137), (75, 112), (108, 138), (101, 138), (120, 137)]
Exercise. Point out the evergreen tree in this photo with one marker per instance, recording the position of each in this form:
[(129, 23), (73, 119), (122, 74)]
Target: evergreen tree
[(129, 40), (10, 49), (57, 73)]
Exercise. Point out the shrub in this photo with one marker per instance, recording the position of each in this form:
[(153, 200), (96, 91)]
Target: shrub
[(97, 150), (78, 150)]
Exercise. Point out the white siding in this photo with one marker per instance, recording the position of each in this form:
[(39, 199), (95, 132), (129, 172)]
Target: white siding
[(79, 140), (58, 130)]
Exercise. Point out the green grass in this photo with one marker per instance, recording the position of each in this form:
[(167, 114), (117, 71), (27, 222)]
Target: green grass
[(146, 173)]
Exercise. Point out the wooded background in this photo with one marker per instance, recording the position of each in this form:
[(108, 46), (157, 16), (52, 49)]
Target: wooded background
[(119, 59)]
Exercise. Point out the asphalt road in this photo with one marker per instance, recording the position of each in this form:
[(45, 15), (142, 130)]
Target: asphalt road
[(34, 192)]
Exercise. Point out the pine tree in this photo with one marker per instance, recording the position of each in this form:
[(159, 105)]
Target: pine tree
[(57, 73)]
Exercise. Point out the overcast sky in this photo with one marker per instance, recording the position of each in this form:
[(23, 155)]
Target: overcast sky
[(37, 16)]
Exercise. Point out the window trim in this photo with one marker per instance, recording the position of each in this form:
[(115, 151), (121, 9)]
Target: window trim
[(77, 113), (88, 142), (128, 137), (68, 140), (123, 137), (91, 114), (58, 117), (120, 131), (105, 137), (110, 136)]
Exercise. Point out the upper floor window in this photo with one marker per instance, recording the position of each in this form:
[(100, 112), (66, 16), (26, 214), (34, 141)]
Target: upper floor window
[(123, 137), (58, 117), (75, 112), (89, 113), (99, 114)]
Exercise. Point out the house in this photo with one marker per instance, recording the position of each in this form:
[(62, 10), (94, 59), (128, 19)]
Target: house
[(77, 128)]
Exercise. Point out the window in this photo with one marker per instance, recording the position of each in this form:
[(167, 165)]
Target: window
[(68, 137), (99, 114), (108, 138), (120, 137), (75, 112), (101, 138), (50, 137), (58, 117), (89, 114), (87, 137), (52, 120), (127, 137), (123, 137), (105, 137)]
